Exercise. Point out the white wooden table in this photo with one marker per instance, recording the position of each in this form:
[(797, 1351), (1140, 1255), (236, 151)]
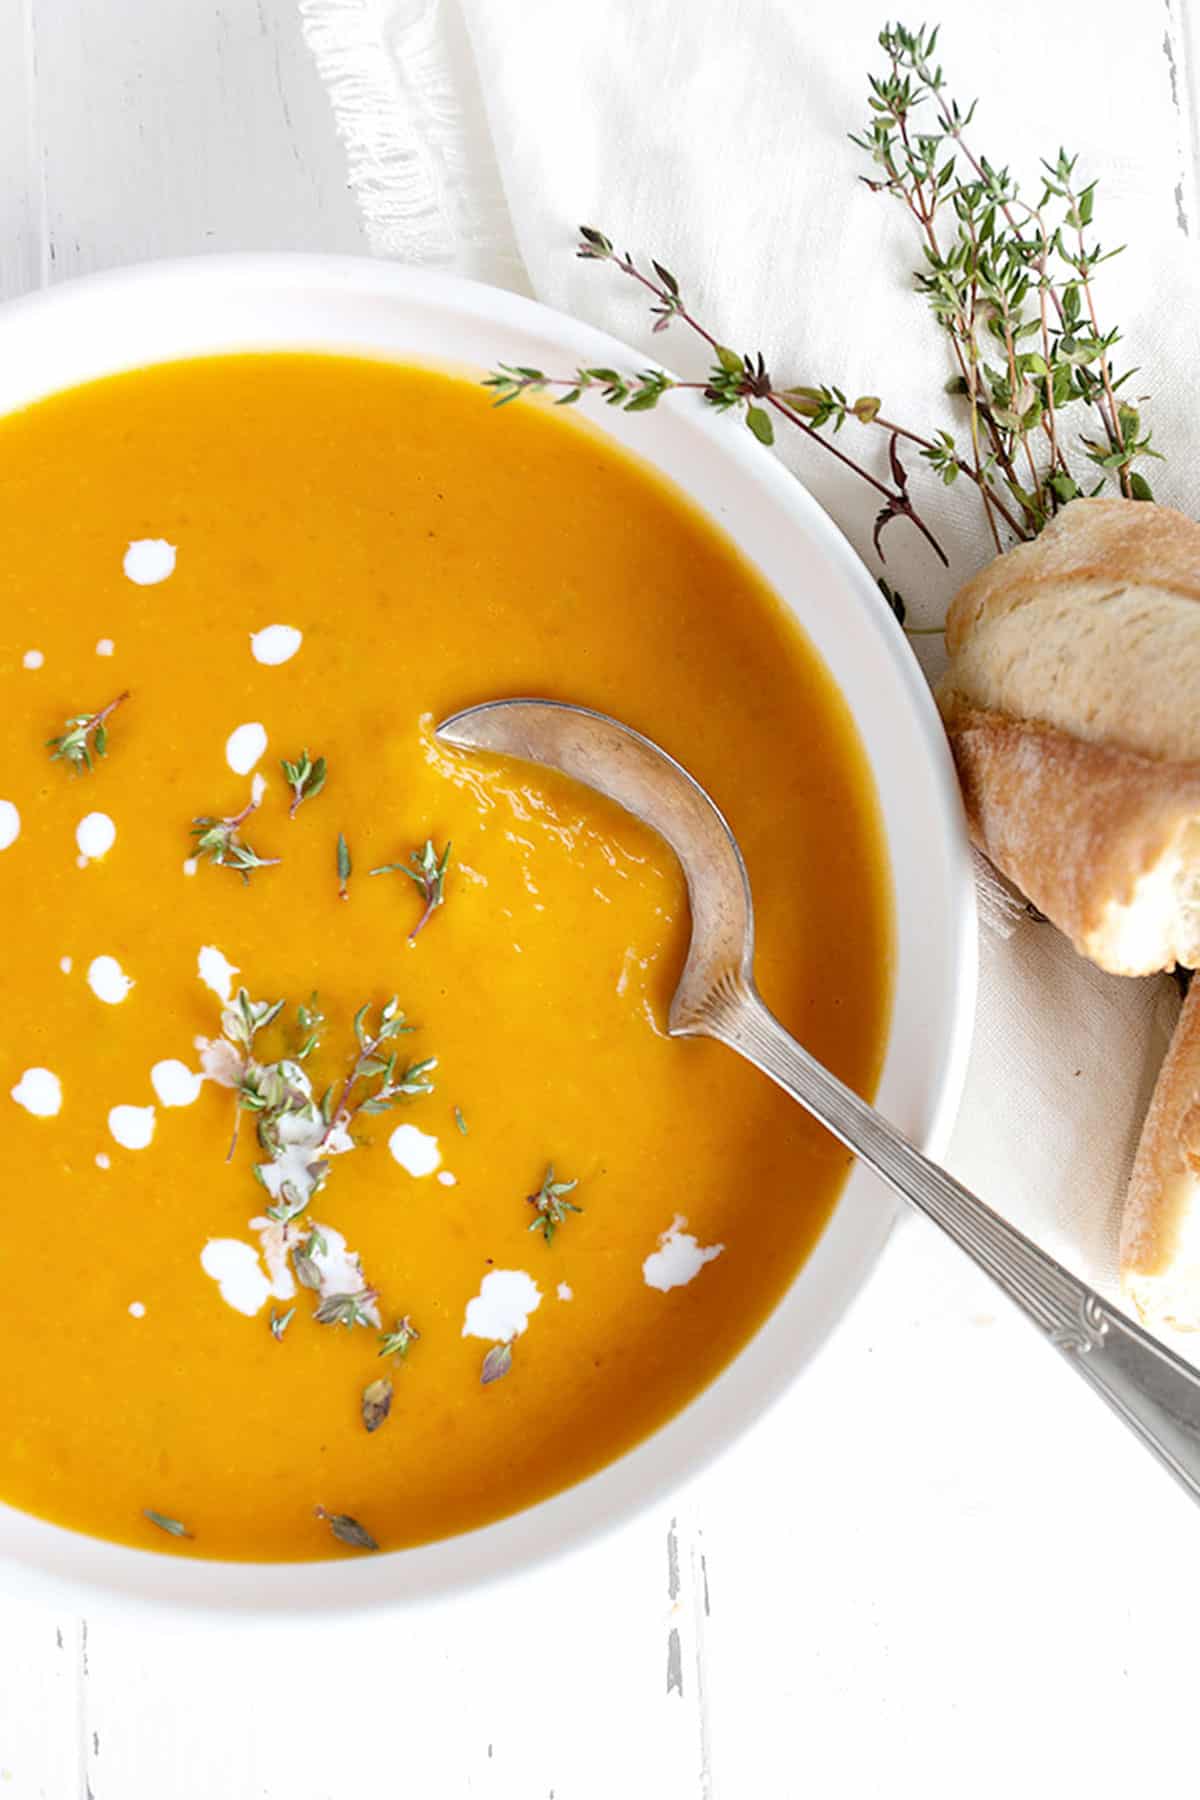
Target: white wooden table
[(936, 1567)]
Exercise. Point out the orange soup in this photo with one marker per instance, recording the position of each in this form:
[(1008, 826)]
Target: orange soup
[(356, 1195)]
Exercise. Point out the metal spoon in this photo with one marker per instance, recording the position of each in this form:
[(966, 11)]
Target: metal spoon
[(1154, 1391)]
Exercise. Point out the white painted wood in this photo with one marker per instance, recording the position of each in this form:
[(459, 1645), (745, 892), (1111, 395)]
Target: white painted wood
[(162, 129), (842, 1607)]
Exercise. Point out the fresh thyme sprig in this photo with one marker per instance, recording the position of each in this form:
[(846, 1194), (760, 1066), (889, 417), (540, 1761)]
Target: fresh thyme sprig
[(221, 841), (374, 1061), (84, 737), (346, 1309), (551, 1204), (735, 380), (1010, 282), (397, 1341), (1008, 279), (305, 777), (428, 871)]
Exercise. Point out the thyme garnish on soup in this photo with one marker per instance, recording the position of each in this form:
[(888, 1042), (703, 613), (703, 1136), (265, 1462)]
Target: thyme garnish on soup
[(84, 737), (305, 777), (346, 1530), (428, 871), (497, 1362), (552, 1204), (220, 841)]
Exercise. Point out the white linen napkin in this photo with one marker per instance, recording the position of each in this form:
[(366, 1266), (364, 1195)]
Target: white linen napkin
[(712, 134)]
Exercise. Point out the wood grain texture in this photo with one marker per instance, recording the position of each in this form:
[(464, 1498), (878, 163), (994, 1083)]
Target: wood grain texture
[(902, 1580)]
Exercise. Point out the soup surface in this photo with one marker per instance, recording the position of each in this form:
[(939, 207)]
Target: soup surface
[(251, 560)]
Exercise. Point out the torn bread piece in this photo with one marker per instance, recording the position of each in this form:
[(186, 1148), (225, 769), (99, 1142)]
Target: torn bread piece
[(1160, 1226), (1104, 842), (1072, 703)]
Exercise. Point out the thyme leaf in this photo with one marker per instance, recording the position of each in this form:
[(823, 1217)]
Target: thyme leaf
[(376, 1402), (496, 1363), (172, 1527), (345, 867), (346, 1530), (280, 1322), (346, 1309)]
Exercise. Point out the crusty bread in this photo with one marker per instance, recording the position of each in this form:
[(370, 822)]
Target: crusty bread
[(1160, 1227), (1072, 703)]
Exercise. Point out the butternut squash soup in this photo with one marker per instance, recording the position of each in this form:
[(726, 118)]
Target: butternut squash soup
[(356, 1196)]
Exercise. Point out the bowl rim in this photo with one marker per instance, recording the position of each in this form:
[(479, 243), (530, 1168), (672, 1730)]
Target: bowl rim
[(58, 1563)]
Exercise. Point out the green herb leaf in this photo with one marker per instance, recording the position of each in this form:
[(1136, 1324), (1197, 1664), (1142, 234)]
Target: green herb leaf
[(496, 1363), (346, 1309), (346, 1530), (280, 1322), (345, 868), (172, 1527), (376, 1402), (459, 1121), (396, 1342), (760, 424)]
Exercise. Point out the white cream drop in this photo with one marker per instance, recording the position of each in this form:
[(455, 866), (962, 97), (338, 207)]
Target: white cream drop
[(415, 1150), (174, 1083), (258, 787), (678, 1259), (238, 1273), (10, 824), (190, 865), (108, 980), (66, 964), (245, 746), (131, 1126), (136, 1310), (95, 834), (501, 1308), (275, 644), (32, 659), (105, 647), (447, 1179), (216, 972), (103, 1159), (39, 1091), (149, 561), (564, 1292)]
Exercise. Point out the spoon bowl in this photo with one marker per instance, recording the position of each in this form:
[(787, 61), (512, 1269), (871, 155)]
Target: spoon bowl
[(1155, 1392)]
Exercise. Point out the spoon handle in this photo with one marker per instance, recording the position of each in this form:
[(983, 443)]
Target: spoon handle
[(1155, 1392)]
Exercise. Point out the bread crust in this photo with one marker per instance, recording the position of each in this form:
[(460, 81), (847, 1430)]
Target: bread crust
[(1079, 827), (1160, 1243), (1114, 542), (1093, 629)]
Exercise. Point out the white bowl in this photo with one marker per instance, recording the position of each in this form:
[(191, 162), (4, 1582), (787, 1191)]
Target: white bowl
[(165, 311)]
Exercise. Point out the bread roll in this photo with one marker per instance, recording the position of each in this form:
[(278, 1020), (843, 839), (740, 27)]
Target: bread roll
[(1072, 703), (1160, 1227)]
